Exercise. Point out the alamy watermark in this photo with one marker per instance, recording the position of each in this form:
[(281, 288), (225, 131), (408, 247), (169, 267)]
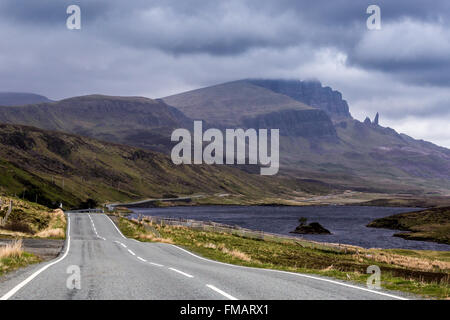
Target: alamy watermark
[(241, 147), (74, 279), (73, 22), (374, 20), (374, 280)]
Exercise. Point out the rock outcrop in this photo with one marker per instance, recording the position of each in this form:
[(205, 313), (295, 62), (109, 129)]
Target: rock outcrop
[(377, 119), (312, 228), (311, 93), (295, 123)]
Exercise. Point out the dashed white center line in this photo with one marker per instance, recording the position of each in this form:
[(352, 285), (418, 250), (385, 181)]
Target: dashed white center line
[(131, 252), (122, 245), (181, 272), (94, 228), (221, 292), (156, 264), (143, 260)]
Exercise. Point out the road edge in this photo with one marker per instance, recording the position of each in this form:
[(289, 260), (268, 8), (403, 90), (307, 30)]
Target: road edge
[(23, 283)]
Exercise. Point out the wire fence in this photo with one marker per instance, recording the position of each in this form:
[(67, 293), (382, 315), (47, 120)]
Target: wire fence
[(246, 233)]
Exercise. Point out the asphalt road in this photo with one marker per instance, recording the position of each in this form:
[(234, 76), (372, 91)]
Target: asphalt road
[(114, 267)]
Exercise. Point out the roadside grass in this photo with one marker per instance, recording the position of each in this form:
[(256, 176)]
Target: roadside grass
[(13, 257), (29, 219), (401, 270), (424, 254)]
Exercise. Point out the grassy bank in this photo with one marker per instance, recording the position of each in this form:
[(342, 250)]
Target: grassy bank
[(13, 257), (426, 225), (28, 219), (403, 270)]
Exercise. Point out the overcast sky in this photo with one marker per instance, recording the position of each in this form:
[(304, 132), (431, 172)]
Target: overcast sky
[(157, 48)]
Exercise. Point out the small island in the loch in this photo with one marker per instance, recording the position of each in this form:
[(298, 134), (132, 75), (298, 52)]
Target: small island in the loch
[(312, 228)]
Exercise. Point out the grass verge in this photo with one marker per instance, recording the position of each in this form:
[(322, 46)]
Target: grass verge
[(29, 219), (13, 257)]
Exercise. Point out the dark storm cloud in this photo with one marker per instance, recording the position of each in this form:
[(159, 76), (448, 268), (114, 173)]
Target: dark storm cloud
[(158, 47), (48, 13), (233, 27)]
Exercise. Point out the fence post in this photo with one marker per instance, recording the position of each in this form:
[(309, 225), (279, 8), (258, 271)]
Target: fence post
[(7, 213)]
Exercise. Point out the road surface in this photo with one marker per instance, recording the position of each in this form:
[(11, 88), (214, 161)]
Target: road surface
[(114, 267)]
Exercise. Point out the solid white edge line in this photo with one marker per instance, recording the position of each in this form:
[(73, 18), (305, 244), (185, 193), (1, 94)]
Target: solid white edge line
[(181, 272), (295, 274), (229, 296), (115, 226), (13, 291), (142, 259), (131, 252)]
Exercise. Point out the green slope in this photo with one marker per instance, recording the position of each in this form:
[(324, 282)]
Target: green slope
[(57, 167), (136, 121)]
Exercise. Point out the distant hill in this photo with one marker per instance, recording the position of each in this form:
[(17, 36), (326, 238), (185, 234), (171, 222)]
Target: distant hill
[(20, 98), (243, 103), (230, 103), (319, 142), (135, 121), (50, 166), (319, 138)]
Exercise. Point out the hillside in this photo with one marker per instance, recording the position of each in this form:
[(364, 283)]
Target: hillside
[(426, 225), (322, 141), (50, 167), (136, 121), (20, 98), (228, 104), (318, 142), (311, 93)]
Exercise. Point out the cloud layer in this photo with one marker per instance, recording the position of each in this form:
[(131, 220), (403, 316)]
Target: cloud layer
[(156, 48)]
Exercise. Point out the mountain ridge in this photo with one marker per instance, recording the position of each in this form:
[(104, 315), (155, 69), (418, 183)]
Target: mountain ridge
[(350, 152), (136, 121), (337, 150), (21, 98)]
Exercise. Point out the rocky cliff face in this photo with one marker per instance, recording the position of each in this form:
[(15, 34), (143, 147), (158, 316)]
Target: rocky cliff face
[(295, 123), (311, 93)]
